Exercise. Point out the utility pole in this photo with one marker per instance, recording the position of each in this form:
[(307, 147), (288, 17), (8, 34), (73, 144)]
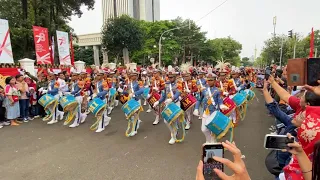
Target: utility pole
[(274, 26), (281, 52), (255, 53)]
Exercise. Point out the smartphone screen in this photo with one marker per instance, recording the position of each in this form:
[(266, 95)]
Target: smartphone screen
[(210, 150), (277, 142)]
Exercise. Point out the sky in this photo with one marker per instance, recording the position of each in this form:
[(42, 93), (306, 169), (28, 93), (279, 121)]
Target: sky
[(250, 22)]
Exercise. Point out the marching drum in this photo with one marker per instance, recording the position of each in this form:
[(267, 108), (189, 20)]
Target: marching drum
[(145, 93), (123, 99), (97, 106), (218, 124), (230, 104), (250, 94), (187, 102), (131, 107), (239, 99), (171, 112), (153, 98), (68, 103), (46, 100)]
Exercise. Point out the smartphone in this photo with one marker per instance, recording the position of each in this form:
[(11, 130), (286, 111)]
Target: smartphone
[(277, 142), (208, 151), (267, 73)]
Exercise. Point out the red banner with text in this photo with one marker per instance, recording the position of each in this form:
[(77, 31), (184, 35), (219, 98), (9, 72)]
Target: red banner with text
[(41, 42)]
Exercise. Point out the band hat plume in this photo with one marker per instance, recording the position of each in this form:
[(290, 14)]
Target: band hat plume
[(171, 71), (210, 74), (186, 69), (132, 69)]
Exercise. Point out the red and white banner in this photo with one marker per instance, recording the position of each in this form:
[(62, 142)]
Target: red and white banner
[(5, 42), (63, 48), (41, 43)]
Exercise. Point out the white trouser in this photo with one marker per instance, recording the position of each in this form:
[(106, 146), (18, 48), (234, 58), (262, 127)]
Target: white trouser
[(55, 111), (206, 131), (79, 99), (188, 115), (233, 116)]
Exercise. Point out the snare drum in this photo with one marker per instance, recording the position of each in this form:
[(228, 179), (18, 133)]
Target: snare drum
[(171, 112), (112, 92), (218, 124), (187, 102), (230, 104), (123, 99), (68, 103), (239, 99), (97, 106), (153, 98), (130, 107), (145, 93), (250, 94), (46, 100)]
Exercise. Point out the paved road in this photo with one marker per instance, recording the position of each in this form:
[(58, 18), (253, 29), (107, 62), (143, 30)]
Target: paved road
[(36, 151)]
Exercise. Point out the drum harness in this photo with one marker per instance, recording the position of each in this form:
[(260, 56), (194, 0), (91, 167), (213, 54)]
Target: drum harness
[(231, 126), (175, 124), (132, 121)]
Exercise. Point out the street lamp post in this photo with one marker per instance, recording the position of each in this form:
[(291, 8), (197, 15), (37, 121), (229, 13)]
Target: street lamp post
[(160, 46)]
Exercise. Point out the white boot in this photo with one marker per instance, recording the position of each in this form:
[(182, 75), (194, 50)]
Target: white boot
[(156, 121), (61, 113), (83, 118), (133, 133), (149, 110), (116, 102), (53, 121), (187, 126), (101, 126), (107, 120), (75, 123), (110, 110), (145, 103), (173, 138)]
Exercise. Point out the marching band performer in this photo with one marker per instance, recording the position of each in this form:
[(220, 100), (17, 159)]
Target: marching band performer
[(53, 89), (101, 91), (157, 85), (212, 102), (133, 91), (201, 83), (148, 78), (171, 94), (112, 82), (189, 87)]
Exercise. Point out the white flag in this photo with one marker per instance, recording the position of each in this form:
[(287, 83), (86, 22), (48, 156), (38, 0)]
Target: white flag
[(5, 42), (63, 48)]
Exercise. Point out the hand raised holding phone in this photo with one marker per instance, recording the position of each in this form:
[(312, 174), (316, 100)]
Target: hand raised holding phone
[(237, 166)]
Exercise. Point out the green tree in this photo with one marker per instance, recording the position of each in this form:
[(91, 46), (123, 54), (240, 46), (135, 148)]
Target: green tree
[(83, 54), (246, 62), (122, 32), (51, 14)]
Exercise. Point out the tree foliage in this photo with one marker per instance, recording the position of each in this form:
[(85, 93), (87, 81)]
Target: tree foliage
[(51, 14)]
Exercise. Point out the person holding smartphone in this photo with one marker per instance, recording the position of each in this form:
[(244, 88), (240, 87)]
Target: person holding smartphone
[(237, 166)]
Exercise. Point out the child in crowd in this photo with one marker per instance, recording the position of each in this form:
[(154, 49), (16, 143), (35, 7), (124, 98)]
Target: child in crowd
[(33, 103)]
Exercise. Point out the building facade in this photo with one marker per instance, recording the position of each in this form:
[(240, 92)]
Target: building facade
[(148, 10)]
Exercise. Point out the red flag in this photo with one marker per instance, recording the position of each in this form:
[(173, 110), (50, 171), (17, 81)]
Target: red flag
[(71, 50), (41, 42), (311, 44)]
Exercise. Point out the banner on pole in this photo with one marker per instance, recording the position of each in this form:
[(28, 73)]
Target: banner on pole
[(5, 42), (41, 43), (63, 48)]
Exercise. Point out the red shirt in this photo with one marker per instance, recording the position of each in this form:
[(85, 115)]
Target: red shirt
[(294, 103)]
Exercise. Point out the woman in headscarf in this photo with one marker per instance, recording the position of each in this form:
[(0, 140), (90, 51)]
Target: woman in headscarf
[(11, 102)]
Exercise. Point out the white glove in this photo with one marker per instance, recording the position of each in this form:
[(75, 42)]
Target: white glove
[(65, 93), (155, 88), (94, 95), (168, 101), (196, 112), (225, 93), (238, 88), (146, 86), (44, 91), (41, 89), (88, 98), (188, 91), (120, 90), (60, 93), (156, 104), (223, 107), (130, 95), (149, 95)]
